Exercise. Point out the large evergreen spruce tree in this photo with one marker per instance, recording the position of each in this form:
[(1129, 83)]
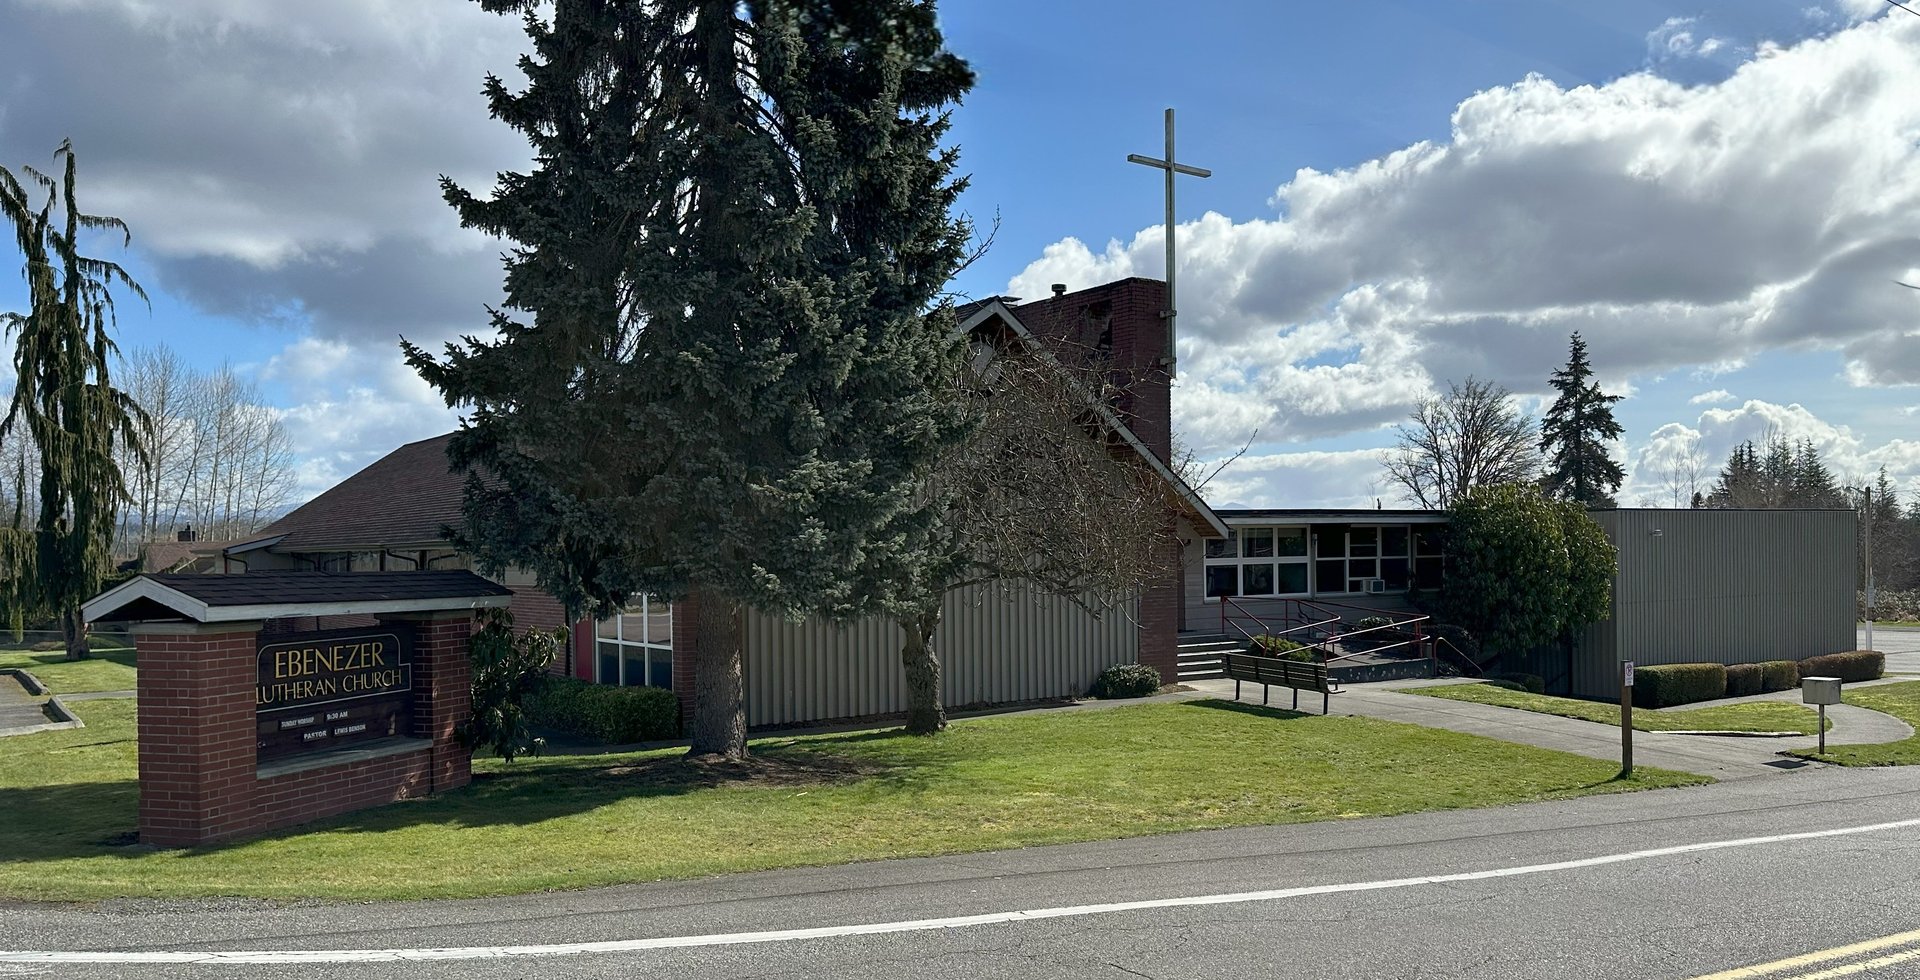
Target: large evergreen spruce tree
[(713, 378), (1574, 435)]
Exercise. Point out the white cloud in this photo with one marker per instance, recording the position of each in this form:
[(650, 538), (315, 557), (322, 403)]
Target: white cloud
[(360, 405), (1713, 397), (1304, 479), (1713, 436), (1676, 227)]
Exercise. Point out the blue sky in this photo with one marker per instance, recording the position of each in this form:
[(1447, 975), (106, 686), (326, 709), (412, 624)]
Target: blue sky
[(1712, 191)]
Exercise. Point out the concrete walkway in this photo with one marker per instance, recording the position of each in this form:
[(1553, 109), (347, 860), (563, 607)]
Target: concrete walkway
[(1707, 755)]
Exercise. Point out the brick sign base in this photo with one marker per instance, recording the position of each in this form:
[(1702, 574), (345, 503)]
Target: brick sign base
[(200, 780)]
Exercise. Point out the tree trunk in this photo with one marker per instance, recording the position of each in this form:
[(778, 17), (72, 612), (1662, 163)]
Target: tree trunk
[(719, 691), (73, 629), (926, 712)]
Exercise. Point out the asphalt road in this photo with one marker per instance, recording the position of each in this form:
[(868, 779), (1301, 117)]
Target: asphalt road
[(1680, 914)]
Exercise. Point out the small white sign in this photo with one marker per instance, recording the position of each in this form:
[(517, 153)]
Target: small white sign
[(1626, 672)]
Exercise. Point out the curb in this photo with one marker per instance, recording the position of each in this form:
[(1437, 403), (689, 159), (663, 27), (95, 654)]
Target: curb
[(63, 716), (1734, 734)]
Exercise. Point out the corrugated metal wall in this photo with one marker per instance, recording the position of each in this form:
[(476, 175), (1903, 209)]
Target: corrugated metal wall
[(993, 648), (1722, 586)]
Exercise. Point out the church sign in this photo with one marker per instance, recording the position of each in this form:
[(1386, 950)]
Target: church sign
[(333, 688)]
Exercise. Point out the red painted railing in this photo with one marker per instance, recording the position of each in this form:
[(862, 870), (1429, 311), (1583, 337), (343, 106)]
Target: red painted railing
[(1314, 616)]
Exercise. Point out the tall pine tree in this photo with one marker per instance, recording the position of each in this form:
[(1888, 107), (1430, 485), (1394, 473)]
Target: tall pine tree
[(64, 398), (1574, 435), (713, 379)]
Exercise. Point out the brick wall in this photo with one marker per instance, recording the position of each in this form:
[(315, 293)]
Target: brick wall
[(1120, 322), (442, 691), (196, 730), (311, 794), (198, 736)]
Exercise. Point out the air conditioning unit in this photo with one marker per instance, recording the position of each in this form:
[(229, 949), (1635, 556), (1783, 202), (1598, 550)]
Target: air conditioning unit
[(1376, 586)]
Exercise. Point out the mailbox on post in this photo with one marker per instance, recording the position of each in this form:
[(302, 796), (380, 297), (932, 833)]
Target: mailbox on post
[(1822, 691)]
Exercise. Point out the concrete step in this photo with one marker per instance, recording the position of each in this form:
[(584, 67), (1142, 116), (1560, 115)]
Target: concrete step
[(1212, 646)]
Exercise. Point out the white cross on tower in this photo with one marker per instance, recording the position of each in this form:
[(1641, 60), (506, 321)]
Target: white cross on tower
[(1172, 168)]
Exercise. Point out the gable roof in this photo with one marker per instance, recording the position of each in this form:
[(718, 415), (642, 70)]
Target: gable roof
[(403, 499), (1209, 523), (265, 595)]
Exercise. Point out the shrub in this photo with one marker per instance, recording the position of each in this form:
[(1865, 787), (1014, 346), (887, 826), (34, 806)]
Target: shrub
[(1745, 679), (1126, 681), (1280, 646), (1856, 665), (509, 671), (1779, 675), (606, 713), (1369, 622), (1665, 685), (1530, 683)]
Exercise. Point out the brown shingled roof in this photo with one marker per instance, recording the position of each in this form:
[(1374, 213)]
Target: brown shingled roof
[(403, 499)]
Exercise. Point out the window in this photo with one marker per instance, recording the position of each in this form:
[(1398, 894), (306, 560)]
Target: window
[(635, 647), (1257, 562), (1224, 547), (1347, 558)]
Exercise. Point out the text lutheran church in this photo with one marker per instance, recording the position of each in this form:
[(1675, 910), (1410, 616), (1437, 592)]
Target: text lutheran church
[(996, 646)]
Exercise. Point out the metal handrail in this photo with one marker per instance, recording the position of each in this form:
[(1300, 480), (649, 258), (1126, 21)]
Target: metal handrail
[(1457, 652)]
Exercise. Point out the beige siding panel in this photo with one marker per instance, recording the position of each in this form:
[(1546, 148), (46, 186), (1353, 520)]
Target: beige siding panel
[(994, 648), (1723, 586)]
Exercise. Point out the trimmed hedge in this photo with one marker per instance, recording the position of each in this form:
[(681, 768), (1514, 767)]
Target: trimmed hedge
[(1530, 683), (1665, 685), (605, 713), (1856, 665), (1126, 681), (1779, 675), (1745, 679)]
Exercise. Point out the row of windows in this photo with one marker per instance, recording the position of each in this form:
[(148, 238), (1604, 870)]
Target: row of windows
[(1326, 560), (635, 647)]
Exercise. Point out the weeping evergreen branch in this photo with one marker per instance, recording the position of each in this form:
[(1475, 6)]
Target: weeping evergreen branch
[(64, 401)]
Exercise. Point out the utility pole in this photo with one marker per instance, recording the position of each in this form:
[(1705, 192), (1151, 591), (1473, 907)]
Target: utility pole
[(1866, 537), (1172, 168), (1869, 550)]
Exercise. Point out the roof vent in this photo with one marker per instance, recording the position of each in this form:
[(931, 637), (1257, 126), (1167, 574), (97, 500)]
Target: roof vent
[(1059, 289)]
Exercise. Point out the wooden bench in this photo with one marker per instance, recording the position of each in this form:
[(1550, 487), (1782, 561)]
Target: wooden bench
[(1268, 671)]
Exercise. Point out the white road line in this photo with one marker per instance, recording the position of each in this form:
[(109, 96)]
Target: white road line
[(338, 956)]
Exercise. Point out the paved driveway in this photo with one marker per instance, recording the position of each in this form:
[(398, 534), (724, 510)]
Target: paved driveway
[(1902, 647)]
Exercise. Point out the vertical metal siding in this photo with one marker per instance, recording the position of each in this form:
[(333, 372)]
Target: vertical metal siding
[(994, 648), (1722, 586)]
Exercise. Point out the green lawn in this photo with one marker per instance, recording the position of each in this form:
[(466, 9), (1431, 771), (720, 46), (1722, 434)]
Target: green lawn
[(1762, 716), (110, 669), (578, 821), (1899, 700)]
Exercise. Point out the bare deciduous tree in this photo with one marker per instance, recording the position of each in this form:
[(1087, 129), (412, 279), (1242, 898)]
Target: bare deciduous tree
[(1045, 497), (221, 460), (1681, 477), (1471, 436)]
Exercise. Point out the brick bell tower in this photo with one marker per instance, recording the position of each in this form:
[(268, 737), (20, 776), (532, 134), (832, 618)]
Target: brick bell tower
[(1120, 325)]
